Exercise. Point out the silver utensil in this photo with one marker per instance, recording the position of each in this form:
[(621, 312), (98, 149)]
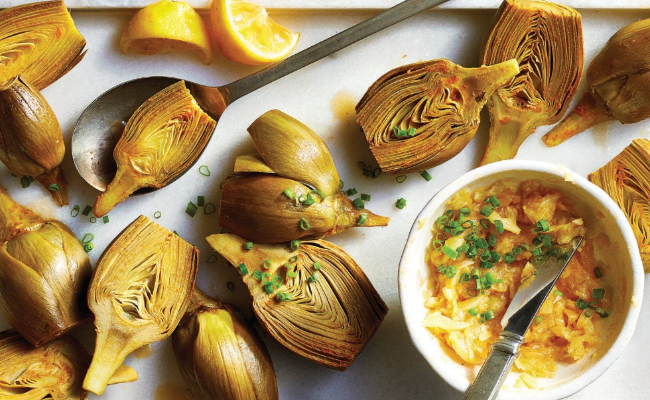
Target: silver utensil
[(517, 319), (95, 136)]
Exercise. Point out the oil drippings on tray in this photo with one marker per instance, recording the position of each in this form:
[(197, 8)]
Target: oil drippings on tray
[(143, 352), (342, 105), (600, 134), (172, 391)]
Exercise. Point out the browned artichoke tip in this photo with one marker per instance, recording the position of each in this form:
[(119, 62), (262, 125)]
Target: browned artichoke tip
[(38, 41), (293, 158), (420, 115), (626, 179), (31, 141), (546, 40), (618, 85), (219, 354), (139, 291), (316, 301), (161, 140), (44, 272), (52, 371)]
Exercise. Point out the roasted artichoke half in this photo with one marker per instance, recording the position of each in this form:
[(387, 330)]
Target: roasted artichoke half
[(420, 115), (139, 291), (618, 85), (626, 178), (163, 138), (290, 190), (220, 355), (316, 301), (53, 371), (44, 274), (546, 39)]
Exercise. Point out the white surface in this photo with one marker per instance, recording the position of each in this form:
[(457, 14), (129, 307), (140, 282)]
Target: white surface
[(323, 96), (601, 216)]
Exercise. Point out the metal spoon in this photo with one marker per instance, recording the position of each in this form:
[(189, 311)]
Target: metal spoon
[(95, 133)]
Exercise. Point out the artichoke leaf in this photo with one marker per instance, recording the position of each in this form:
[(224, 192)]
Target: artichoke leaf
[(38, 41), (252, 163), (320, 304), (420, 115), (294, 151), (546, 39), (139, 291)]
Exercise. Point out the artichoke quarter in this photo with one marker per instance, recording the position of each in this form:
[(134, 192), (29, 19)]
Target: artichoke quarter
[(163, 138), (290, 190), (618, 85), (44, 274), (626, 179), (420, 115), (220, 355), (546, 40), (53, 371), (139, 291), (315, 301)]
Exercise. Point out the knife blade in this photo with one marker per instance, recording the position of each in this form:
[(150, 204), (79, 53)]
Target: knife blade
[(518, 316)]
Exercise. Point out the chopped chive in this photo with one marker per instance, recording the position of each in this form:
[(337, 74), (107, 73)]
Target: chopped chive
[(87, 210), (200, 201), (557, 292), (358, 204), (88, 246), (451, 271), (157, 214), (257, 275), (75, 211), (498, 224), (401, 203), (493, 201), (400, 179), (449, 252), (598, 293), (475, 273), (546, 242), (426, 175), (318, 192), (93, 220), (309, 200), (289, 193), (464, 277), (524, 246), (25, 182), (248, 246), (508, 258), (269, 288), (266, 264), (351, 192), (602, 313), (105, 219), (485, 223), (486, 211), (486, 264), (54, 187), (597, 272), (313, 277), (516, 250), (304, 224), (191, 209), (88, 237), (292, 274), (294, 244), (243, 269), (204, 170), (293, 259), (411, 132), (581, 304), (492, 240), (472, 312), (588, 313), (317, 265), (365, 197), (362, 219)]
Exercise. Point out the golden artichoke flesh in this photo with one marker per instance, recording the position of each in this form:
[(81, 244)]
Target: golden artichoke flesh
[(316, 301), (626, 179), (163, 138), (618, 85), (262, 200), (53, 371), (39, 42), (546, 40), (220, 355), (139, 291), (420, 115), (31, 141), (44, 274)]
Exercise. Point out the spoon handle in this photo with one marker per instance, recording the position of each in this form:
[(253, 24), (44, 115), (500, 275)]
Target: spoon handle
[(383, 20)]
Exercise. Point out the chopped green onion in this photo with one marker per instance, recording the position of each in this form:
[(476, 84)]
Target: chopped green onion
[(313, 277), (426, 175), (449, 252), (537, 320), (524, 246), (598, 293), (93, 220), (204, 170), (451, 271), (87, 210), (597, 272), (581, 304), (308, 200), (88, 237), (542, 226), (266, 264), (486, 264), (358, 204), (294, 244), (557, 292), (88, 246), (25, 182), (291, 274), (516, 250), (401, 203), (492, 240), (248, 246), (485, 223), (498, 224), (317, 265), (537, 252), (481, 243), (400, 179), (289, 193), (191, 209), (472, 312), (475, 273), (157, 214), (54, 187), (318, 192), (508, 258), (588, 313), (464, 277), (493, 201), (365, 197), (351, 192), (75, 211), (304, 224), (341, 184), (105, 219), (602, 313), (547, 241), (269, 288), (488, 315), (243, 269), (362, 219), (411, 132), (486, 210)]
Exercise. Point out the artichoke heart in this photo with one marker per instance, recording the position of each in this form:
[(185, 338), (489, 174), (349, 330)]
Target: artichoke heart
[(290, 189), (31, 141), (315, 301), (139, 291), (420, 115), (546, 40), (618, 85), (220, 356), (626, 179), (44, 274), (53, 371), (39, 42), (163, 138)]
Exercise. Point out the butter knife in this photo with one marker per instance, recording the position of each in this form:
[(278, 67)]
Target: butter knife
[(517, 319)]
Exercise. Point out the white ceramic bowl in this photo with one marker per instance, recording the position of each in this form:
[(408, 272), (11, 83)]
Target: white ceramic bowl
[(600, 214)]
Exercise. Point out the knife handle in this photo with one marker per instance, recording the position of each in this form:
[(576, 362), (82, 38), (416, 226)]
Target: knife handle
[(488, 382)]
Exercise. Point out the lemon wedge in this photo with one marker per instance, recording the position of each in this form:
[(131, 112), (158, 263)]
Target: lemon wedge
[(167, 26), (245, 33)]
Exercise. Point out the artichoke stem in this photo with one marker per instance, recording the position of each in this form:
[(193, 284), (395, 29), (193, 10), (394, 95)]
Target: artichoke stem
[(590, 111), (506, 136), (117, 191), (15, 218), (110, 353), (490, 78), (348, 216), (59, 192)]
